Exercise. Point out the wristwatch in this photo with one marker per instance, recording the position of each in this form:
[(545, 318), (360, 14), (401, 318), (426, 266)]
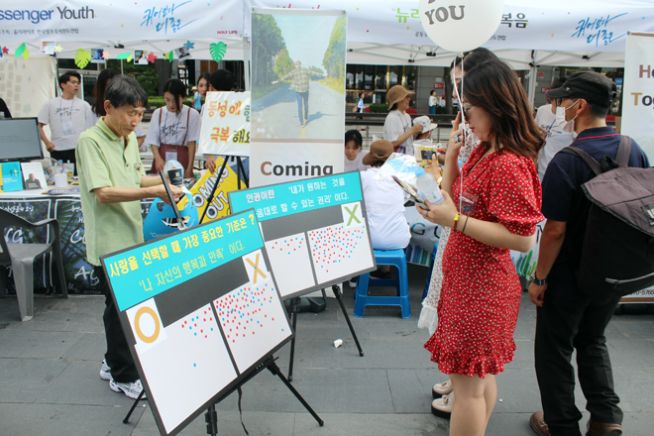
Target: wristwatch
[(539, 282)]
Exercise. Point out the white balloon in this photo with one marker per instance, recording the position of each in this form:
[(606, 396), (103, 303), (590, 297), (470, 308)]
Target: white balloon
[(460, 25)]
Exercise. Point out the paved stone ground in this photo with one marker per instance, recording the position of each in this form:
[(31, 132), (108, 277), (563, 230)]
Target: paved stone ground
[(49, 382)]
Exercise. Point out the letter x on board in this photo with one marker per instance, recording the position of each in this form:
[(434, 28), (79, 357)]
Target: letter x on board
[(352, 214), (257, 270)]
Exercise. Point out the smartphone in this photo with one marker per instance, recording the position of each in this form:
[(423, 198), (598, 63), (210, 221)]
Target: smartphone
[(411, 190)]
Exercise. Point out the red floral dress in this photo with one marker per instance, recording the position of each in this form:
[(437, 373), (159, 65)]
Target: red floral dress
[(480, 297)]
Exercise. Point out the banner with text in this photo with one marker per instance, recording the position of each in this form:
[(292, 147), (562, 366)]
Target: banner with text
[(225, 127), (315, 230), (33, 21), (638, 92), (298, 94)]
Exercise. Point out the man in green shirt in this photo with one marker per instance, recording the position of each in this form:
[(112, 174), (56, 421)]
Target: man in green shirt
[(112, 183)]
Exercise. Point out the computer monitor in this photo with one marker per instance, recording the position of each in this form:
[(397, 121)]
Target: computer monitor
[(19, 139)]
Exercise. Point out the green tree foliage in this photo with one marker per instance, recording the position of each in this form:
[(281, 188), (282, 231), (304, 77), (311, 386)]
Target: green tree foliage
[(316, 73), (283, 63), (146, 75), (267, 42), (334, 58)]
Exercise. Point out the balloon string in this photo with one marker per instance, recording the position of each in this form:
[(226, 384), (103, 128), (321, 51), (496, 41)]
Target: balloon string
[(463, 123)]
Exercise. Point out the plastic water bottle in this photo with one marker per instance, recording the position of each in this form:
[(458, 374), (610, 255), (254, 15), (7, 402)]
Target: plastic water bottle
[(428, 187)]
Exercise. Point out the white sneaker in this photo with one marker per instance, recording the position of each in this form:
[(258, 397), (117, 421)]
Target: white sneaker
[(440, 389), (131, 390), (105, 371), (442, 407)]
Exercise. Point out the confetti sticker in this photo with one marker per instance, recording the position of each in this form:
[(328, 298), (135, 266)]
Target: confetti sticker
[(289, 259), (339, 250), (253, 320), (200, 325)]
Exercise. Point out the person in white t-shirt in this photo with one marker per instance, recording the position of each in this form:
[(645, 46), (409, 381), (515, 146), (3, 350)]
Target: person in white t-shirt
[(174, 130), (67, 116), (389, 229), (560, 133), (397, 126), (433, 102), (353, 155)]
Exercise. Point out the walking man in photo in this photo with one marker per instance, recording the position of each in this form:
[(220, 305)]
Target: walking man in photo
[(300, 84)]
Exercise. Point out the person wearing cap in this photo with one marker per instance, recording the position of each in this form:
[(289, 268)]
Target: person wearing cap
[(397, 126), (389, 229), (559, 132), (423, 144), (570, 318), (427, 127)]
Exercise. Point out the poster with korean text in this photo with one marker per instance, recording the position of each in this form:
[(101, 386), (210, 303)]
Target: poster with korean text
[(225, 127), (200, 309), (315, 230)]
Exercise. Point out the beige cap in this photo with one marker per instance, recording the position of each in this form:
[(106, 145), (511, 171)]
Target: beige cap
[(397, 93), (379, 152), (425, 122)]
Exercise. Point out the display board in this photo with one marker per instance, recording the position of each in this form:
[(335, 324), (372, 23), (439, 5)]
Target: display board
[(225, 127), (200, 309), (315, 230)]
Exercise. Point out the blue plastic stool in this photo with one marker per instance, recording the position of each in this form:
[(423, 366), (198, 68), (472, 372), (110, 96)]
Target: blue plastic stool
[(394, 258)]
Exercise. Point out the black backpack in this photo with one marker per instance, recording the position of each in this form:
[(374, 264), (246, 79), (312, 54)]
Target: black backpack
[(617, 254)]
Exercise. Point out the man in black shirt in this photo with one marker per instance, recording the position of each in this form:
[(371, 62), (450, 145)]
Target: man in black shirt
[(568, 317)]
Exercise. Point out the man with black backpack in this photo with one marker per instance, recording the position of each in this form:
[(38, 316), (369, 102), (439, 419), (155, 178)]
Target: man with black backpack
[(571, 316)]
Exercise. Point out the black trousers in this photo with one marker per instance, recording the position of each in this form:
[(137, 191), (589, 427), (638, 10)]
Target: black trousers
[(573, 320), (118, 356), (65, 156)]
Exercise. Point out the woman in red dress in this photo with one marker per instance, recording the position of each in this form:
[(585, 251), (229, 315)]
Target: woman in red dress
[(493, 205)]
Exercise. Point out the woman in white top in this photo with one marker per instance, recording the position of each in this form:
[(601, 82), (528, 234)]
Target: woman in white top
[(433, 102), (174, 130), (397, 126), (384, 199)]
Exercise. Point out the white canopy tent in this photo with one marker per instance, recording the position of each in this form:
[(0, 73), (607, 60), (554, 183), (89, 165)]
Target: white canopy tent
[(558, 32), (583, 33)]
